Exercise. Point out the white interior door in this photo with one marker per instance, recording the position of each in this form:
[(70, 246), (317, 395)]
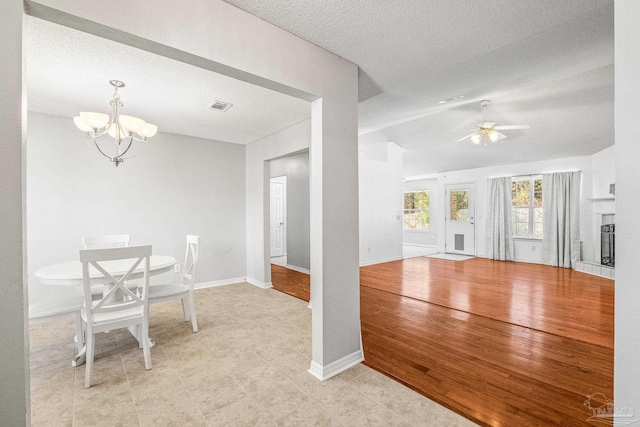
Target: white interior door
[(278, 194), (460, 228)]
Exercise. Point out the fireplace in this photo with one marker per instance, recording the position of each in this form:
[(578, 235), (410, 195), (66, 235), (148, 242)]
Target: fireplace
[(607, 245)]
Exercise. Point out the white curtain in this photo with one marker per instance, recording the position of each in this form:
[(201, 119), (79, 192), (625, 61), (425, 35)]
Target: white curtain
[(561, 218), (499, 227)]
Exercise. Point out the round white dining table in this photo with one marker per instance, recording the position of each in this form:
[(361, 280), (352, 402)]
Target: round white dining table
[(70, 272)]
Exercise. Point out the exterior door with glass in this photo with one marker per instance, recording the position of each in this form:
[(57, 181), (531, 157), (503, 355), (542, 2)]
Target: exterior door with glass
[(460, 231)]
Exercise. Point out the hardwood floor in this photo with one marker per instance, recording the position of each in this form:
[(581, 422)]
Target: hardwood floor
[(501, 343), (291, 282), (559, 301)]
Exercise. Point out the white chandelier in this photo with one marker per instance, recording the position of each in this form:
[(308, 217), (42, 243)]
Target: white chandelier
[(125, 130)]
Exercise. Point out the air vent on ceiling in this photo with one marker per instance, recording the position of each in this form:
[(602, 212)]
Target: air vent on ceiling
[(219, 106)]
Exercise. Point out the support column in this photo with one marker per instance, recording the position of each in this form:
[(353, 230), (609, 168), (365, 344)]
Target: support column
[(627, 137), (335, 274)]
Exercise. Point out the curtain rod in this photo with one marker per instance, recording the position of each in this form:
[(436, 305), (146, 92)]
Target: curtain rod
[(533, 174)]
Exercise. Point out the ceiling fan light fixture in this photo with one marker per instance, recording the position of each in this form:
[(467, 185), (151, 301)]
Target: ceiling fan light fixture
[(488, 131)]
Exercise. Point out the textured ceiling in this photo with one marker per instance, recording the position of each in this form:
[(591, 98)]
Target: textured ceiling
[(545, 63), (68, 71)]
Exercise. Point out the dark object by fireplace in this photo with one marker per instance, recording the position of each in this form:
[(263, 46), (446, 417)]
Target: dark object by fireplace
[(608, 244)]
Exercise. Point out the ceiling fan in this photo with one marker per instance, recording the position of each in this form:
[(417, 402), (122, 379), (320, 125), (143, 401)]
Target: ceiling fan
[(488, 131)]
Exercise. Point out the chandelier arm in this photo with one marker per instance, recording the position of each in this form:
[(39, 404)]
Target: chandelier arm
[(93, 135), (144, 139), (101, 152), (119, 156), (142, 151)]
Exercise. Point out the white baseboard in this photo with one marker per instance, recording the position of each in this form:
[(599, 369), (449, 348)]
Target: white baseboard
[(528, 261), (420, 246), (334, 368), (258, 283), (214, 283), (380, 261), (298, 269)]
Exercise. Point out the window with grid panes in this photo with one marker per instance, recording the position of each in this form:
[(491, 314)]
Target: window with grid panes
[(526, 197), (416, 210)]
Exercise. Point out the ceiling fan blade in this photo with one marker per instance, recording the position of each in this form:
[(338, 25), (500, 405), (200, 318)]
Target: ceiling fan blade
[(501, 136), (488, 124), (507, 127), (468, 136)]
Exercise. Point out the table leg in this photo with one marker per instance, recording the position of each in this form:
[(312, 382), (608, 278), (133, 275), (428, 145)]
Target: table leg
[(80, 358), (135, 331)]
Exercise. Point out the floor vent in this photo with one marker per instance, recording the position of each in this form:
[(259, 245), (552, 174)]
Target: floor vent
[(219, 106)]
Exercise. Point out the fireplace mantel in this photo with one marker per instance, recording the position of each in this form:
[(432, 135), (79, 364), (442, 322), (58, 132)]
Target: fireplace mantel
[(604, 205)]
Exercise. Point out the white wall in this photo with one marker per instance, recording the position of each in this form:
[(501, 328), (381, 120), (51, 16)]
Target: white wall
[(180, 185), (14, 369), (626, 371), (603, 164), (604, 174), (291, 140), (296, 169), (430, 237), (526, 250), (380, 204)]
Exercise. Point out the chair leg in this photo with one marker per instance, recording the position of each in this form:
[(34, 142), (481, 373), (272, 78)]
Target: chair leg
[(185, 313), (194, 321), (144, 338), (91, 343)]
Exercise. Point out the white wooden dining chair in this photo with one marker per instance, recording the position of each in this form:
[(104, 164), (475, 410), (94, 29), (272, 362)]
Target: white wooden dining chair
[(183, 290), (106, 241), (109, 313)]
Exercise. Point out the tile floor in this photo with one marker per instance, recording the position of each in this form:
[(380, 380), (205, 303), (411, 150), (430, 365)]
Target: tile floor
[(246, 367)]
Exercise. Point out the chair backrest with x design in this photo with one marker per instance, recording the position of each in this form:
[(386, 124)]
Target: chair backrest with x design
[(191, 261), (124, 261)]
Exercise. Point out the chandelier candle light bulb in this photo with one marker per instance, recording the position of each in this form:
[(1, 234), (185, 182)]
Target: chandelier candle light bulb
[(125, 130)]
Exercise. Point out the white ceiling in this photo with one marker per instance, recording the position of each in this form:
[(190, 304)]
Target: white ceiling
[(545, 63), (68, 71)]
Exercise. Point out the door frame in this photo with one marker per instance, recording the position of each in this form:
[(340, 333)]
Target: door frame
[(474, 188), (282, 180)]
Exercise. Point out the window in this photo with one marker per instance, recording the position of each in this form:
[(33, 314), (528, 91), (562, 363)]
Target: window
[(526, 198), (416, 210), (459, 205)]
